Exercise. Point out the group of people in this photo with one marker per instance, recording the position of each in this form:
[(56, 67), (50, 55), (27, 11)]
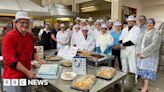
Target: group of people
[(135, 46)]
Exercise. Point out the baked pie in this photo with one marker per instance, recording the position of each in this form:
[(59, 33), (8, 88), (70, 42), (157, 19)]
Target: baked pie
[(106, 72), (53, 57), (67, 63), (84, 82)]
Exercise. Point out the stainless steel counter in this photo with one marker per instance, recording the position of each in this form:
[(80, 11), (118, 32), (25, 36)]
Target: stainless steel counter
[(101, 85)]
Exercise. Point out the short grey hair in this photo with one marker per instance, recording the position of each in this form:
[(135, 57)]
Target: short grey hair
[(151, 20)]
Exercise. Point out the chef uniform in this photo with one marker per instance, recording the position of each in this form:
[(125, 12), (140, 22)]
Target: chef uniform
[(76, 37), (129, 38), (110, 30), (90, 27), (96, 32), (63, 37), (87, 43), (105, 42), (77, 19)]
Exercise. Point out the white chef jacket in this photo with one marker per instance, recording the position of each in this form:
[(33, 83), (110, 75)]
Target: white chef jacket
[(96, 34), (88, 44), (62, 37), (90, 28), (76, 38), (105, 40), (128, 55)]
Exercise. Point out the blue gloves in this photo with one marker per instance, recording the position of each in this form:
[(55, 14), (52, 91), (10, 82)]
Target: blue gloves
[(98, 51), (108, 50)]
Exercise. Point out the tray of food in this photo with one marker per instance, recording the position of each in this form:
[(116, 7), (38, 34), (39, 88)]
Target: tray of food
[(66, 63), (106, 73), (90, 55), (84, 53), (84, 82), (52, 58)]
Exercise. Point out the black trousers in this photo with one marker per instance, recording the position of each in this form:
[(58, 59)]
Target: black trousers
[(116, 53)]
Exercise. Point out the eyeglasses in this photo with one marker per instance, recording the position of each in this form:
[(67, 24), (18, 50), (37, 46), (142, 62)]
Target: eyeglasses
[(24, 23)]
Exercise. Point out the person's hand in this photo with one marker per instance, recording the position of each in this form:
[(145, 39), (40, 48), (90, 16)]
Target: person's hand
[(114, 47), (122, 46), (138, 54), (41, 61), (141, 55), (31, 75)]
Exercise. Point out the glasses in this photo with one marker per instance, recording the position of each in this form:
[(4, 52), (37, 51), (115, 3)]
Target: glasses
[(24, 23)]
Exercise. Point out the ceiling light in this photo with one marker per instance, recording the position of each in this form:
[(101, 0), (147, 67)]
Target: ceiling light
[(108, 0), (88, 7)]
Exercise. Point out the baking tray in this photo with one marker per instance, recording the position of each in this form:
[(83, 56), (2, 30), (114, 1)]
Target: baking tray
[(84, 90)]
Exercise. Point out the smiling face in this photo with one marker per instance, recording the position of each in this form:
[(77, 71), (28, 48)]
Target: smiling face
[(103, 30), (110, 25), (142, 20), (98, 25), (118, 28), (131, 23), (150, 25), (22, 25)]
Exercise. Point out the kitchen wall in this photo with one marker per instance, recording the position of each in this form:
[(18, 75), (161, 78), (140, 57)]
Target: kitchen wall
[(154, 9)]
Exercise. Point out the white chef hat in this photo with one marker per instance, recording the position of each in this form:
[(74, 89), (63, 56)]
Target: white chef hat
[(103, 26), (90, 19), (101, 20), (62, 25), (77, 18), (84, 28), (77, 26), (109, 21), (131, 17), (117, 23), (21, 15), (83, 20), (98, 21)]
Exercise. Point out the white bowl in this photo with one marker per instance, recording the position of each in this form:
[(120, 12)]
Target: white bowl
[(68, 75)]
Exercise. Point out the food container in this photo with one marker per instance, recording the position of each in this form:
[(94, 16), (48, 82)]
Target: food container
[(83, 83), (95, 58), (52, 58), (106, 73), (67, 63)]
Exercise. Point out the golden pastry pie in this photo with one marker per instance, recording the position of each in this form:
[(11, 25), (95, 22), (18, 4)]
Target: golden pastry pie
[(106, 72), (67, 63), (84, 82), (56, 58)]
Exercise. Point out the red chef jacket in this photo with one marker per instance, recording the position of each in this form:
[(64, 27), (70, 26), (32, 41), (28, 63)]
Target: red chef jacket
[(16, 47)]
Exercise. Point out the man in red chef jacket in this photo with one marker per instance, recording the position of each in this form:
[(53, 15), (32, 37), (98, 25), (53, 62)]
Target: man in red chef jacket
[(18, 52)]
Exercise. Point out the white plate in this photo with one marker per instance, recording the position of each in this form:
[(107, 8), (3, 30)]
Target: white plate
[(68, 75)]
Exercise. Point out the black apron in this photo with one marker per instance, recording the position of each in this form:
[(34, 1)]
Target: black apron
[(53, 43), (45, 40)]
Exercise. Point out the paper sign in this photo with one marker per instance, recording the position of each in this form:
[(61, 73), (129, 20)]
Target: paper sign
[(79, 65), (67, 53)]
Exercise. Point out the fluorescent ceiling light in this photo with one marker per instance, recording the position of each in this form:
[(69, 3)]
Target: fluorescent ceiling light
[(108, 0), (88, 7), (63, 19)]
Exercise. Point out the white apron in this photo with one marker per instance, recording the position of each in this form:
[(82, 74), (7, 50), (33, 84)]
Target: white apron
[(128, 55)]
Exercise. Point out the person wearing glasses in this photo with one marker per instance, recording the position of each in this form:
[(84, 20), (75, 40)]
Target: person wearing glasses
[(18, 52)]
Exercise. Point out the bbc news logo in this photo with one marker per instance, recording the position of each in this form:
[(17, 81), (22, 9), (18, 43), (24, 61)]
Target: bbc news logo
[(24, 82)]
